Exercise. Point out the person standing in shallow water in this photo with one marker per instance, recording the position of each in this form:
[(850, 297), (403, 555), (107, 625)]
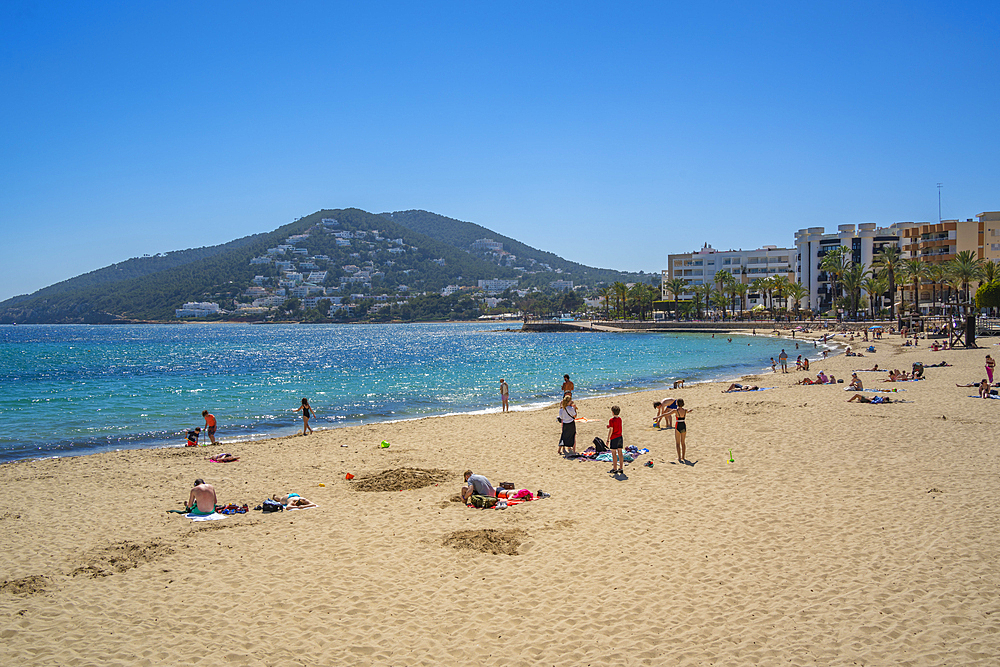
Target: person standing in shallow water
[(567, 386), (307, 412)]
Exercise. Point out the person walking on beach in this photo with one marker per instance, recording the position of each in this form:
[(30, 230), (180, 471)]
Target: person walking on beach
[(567, 386), (680, 430), (783, 360), (567, 417), (307, 412), (209, 425), (504, 394), (774, 367), (990, 365), (615, 442)]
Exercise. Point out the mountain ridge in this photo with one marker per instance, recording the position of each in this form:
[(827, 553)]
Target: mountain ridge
[(396, 253)]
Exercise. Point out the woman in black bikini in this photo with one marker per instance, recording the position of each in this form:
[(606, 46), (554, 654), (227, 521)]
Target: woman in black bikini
[(307, 412), (680, 429)]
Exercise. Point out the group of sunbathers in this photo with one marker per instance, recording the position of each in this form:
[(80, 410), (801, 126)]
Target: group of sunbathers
[(821, 378)]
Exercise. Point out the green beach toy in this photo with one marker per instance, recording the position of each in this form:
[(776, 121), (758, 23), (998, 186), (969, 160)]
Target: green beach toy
[(385, 444), (731, 460)]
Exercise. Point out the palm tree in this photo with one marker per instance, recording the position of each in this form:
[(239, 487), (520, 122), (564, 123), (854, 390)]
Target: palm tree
[(676, 286), (853, 276), (620, 290), (915, 270), (966, 268), (937, 273), (726, 281), (741, 289), (796, 292), (760, 286), (875, 286), (606, 293), (779, 283), (990, 272), (834, 262), (708, 294), (888, 261), (641, 292)]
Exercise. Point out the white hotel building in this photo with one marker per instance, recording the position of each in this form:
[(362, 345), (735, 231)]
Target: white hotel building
[(862, 243), (698, 268)]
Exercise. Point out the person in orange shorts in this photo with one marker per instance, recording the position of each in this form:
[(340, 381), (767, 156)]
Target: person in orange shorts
[(209, 424)]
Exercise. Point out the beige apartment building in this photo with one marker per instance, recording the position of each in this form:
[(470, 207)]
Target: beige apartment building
[(940, 242)]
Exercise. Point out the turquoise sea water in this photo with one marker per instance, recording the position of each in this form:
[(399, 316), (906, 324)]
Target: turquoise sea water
[(68, 390)]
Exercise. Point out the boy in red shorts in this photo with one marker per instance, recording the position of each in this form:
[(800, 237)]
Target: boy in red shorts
[(615, 442)]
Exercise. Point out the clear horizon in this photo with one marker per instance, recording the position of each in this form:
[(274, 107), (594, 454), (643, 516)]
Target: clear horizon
[(611, 135)]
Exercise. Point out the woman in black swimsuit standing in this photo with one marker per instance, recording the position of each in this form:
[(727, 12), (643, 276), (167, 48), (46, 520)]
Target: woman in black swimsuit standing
[(680, 429), (307, 412)]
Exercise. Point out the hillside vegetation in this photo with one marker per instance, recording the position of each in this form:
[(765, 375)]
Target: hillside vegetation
[(407, 257)]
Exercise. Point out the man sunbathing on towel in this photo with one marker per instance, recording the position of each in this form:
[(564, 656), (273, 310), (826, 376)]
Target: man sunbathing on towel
[(294, 501), (739, 387), (202, 499)]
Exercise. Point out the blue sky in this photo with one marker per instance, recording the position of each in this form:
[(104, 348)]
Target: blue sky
[(609, 133)]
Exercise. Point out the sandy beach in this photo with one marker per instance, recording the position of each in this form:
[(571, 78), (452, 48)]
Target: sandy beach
[(840, 533)]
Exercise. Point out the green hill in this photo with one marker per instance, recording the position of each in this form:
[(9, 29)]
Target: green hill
[(360, 255), (462, 235)]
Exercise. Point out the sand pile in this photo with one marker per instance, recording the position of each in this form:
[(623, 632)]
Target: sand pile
[(400, 479)]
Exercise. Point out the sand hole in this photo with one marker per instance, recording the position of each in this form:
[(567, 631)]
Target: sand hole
[(30, 585), (122, 557), (487, 540), (400, 479)]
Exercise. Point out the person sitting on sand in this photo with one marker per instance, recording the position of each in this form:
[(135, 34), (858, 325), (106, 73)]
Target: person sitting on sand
[(861, 398), (805, 364), (821, 378), (832, 379), (808, 380), (663, 409), (294, 501), (855, 383), (476, 485), (202, 499), (984, 389)]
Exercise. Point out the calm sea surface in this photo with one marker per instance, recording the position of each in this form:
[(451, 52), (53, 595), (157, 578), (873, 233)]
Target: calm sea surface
[(67, 390)]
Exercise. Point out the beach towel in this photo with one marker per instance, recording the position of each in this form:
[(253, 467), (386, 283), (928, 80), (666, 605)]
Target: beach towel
[(292, 509), (990, 396), (215, 516)]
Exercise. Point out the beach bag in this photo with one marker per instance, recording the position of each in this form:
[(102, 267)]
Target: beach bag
[(508, 486), (272, 506), (483, 502), (599, 446)]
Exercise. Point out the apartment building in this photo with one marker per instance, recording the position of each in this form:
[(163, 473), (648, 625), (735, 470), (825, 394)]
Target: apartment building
[(862, 241), (700, 267), (940, 242)]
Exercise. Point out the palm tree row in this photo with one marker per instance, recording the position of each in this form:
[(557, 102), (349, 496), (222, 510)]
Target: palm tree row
[(850, 278)]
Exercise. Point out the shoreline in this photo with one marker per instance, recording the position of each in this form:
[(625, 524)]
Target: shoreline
[(838, 532), (280, 432)]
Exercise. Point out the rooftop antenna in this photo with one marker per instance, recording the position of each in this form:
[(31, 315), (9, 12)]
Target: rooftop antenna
[(939, 202)]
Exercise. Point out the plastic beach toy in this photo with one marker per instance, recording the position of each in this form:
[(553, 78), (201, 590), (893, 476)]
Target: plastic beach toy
[(348, 477), (385, 444), (731, 456)]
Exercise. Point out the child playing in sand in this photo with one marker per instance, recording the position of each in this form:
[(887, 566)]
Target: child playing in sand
[(192, 437), (615, 441)]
